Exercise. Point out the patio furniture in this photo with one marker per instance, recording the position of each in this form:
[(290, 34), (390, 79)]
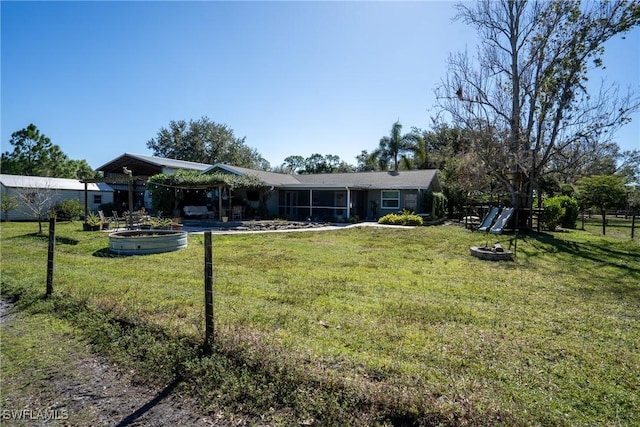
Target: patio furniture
[(132, 220), (236, 213), (196, 211), (116, 219), (104, 219)]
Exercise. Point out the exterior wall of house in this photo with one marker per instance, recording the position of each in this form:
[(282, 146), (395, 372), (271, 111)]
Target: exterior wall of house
[(383, 202), (24, 213), (97, 198), (331, 205)]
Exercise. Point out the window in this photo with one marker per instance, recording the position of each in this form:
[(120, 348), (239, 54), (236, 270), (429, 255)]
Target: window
[(97, 199), (390, 199)]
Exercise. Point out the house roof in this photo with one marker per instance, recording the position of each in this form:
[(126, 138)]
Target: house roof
[(22, 181), (148, 165), (143, 165), (414, 179), (269, 178)]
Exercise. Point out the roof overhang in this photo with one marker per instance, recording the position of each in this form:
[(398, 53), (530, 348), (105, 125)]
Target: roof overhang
[(138, 166), (349, 187)]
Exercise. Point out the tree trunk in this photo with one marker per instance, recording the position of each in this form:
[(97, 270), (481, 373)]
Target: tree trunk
[(604, 221)]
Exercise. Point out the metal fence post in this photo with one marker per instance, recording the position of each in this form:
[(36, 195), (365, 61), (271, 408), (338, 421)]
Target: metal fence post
[(208, 291), (52, 247)]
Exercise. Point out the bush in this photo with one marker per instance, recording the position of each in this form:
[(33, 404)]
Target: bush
[(551, 214), (434, 204), (68, 209), (569, 218), (560, 211), (439, 205), (404, 218)]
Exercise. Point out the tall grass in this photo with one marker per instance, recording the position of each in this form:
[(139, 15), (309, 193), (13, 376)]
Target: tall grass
[(365, 325)]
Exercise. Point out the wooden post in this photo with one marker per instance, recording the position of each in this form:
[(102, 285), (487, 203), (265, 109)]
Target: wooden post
[(220, 213), (208, 291), (130, 202), (50, 263)]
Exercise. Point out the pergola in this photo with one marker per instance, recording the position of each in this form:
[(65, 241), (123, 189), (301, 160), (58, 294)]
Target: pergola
[(129, 178)]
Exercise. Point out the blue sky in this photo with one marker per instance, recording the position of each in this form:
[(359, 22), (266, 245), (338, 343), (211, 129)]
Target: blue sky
[(295, 78)]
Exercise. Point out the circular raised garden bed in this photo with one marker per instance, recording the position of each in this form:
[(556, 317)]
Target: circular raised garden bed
[(491, 254), (141, 242)]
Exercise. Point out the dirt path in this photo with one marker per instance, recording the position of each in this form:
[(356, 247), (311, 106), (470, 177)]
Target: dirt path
[(93, 392)]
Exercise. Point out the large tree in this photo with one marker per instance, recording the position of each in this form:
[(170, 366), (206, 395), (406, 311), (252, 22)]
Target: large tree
[(293, 164), (315, 163), (34, 154), (375, 160), (525, 96), (393, 146), (205, 141), (433, 148), (31, 152)]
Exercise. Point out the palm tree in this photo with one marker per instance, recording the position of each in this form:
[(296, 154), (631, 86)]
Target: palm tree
[(392, 146), (420, 149)]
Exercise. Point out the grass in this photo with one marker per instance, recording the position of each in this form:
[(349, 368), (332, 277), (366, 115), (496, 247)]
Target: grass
[(368, 326), (617, 227), (33, 348)]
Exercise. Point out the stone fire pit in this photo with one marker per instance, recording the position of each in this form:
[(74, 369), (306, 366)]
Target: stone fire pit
[(494, 253)]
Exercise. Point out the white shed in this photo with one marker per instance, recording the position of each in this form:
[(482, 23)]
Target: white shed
[(48, 191)]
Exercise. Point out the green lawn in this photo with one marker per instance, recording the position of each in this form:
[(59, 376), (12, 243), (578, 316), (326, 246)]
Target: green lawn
[(362, 325), (617, 227)]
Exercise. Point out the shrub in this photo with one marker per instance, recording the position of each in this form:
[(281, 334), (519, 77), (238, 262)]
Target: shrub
[(560, 211), (552, 213), (569, 218), (161, 222), (404, 218), (68, 209), (93, 219), (439, 205), (434, 204)]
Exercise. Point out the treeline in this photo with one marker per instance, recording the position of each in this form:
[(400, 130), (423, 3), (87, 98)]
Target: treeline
[(453, 151), (34, 154)]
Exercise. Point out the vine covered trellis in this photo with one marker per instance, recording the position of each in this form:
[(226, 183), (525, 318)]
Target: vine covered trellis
[(166, 189)]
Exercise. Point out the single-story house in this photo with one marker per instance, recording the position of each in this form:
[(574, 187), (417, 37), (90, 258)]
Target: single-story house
[(41, 193), (141, 167), (337, 196)]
